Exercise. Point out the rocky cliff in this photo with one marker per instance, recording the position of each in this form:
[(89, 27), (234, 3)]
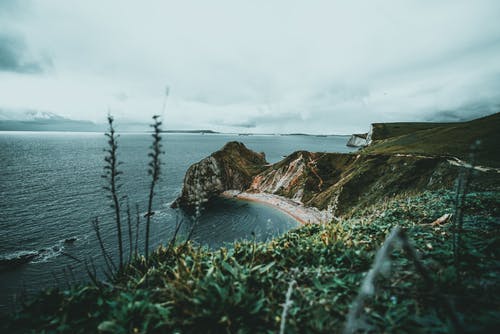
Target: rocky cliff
[(340, 183), (335, 182), (232, 167), (358, 140)]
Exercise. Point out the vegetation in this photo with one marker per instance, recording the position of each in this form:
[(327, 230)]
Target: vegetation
[(243, 160), (154, 171), (112, 174), (112, 177), (391, 264), (450, 139), (241, 288)]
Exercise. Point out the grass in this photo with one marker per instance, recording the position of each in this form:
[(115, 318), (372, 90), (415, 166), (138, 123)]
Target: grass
[(306, 281), (449, 139), (242, 288)]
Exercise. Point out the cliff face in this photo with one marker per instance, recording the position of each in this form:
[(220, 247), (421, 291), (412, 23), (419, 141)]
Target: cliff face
[(358, 140), (340, 183), (335, 182), (232, 167), (286, 177)]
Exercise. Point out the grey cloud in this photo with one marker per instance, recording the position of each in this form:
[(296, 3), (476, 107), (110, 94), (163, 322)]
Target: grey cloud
[(14, 57), (465, 113), (9, 8), (244, 124), (121, 96), (279, 66)]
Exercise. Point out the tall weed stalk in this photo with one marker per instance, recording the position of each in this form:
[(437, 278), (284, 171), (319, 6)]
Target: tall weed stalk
[(154, 171), (381, 264), (463, 184), (111, 174)]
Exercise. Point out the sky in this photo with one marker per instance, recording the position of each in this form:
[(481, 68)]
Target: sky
[(261, 66)]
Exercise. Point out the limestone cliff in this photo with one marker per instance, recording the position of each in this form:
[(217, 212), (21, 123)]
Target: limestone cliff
[(341, 182), (335, 182), (232, 167), (401, 158), (358, 140)]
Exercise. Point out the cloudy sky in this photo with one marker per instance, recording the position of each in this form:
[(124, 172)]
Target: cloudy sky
[(253, 66)]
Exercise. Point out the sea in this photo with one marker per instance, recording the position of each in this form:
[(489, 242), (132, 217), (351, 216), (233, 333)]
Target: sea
[(51, 190)]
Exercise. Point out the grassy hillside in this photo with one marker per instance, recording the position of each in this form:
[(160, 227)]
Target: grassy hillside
[(241, 289), (450, 139), (346, 182), (382, 131), (449, 282)]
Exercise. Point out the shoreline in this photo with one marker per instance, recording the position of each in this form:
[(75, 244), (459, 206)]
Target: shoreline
[(299, 212)]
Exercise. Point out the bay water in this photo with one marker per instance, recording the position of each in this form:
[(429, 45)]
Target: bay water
[(51, 189)]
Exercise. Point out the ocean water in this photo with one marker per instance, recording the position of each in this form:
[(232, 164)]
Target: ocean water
[(51, 189)]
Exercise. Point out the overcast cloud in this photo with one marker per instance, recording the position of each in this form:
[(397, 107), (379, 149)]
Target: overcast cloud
[(253, 66)]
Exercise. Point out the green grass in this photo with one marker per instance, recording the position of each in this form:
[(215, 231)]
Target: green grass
[(383, 131), (449, 139), (240, 289)]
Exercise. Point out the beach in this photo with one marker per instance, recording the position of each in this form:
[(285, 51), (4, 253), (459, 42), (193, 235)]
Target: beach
[(301, 213)]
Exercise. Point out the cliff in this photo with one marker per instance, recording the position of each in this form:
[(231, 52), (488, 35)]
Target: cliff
[(340, 183), (232, 167), (440, 139), (332, 182), (358, 140), (411, 157)]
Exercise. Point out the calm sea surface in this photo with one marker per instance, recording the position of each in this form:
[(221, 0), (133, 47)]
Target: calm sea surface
[(51, 188)]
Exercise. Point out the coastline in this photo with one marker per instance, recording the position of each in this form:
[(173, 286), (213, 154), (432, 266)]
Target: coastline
[(299, 212)]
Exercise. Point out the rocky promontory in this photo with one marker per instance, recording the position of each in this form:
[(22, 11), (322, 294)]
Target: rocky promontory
[(231, 168), (337, 183), (333, 183)]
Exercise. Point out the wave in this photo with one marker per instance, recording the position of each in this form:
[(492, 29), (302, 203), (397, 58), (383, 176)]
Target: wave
[(20, 257), (17, 258), (45, 254)]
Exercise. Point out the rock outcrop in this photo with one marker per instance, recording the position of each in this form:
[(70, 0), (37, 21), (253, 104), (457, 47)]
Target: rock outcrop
[(358, 140), (231, 168), (400, 158), (332, 182), (340, 183)]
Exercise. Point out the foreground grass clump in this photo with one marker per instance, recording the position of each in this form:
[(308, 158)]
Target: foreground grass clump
[(242, 288)]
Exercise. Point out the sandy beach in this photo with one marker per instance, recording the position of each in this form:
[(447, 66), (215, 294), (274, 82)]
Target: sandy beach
[(301, 213)]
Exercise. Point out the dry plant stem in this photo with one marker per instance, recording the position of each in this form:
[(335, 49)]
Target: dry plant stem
[(129, 225), (137, 222), (462, 189), (286, 305), (422, 271), (154, 171), (111, 267), (368, 285), (91, 272), (111, 173), (178, 224), (191, 231)]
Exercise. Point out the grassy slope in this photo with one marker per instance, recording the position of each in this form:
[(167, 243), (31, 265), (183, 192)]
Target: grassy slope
[(451, 139), (241, 289), (389, 130), (241, 159)]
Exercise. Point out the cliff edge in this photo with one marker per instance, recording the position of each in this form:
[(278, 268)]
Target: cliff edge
[(334, 183), (337, 184), (231, 168)]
